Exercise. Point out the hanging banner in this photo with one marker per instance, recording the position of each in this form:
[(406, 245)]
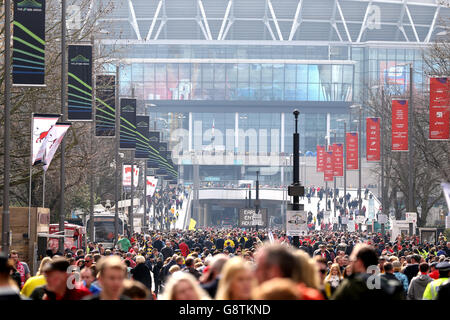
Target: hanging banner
[(439, 109), (320, 159), (151, 185), (40, 124), (105, 106), (54, 138), (373, 139), (127, 124), (126, 175), (142, 126), (153, 145), (329, 170), (28, 62), (80, 83), (352, 150), (446, 190), (338, 159), (399, 125)]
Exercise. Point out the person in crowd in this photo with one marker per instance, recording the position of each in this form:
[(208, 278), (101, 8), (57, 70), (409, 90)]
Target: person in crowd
[(400, 276), (333, 280), (89, 276), (58, 286), (432, 288), (190, 268), (111, 275), (277, 289), (237, 281), (37, 280), (212, 274), (21, 267), (9, 291), (419, 283), (412, 269), (355, 287), (135, 290), (183, 286), (141, 272)]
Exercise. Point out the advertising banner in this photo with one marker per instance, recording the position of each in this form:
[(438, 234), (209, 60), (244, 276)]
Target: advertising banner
[(127, 124), (352, 150), (153, 144), (79, 82), (320, 159), (399, 125), (54, 138), (142, 127), (126, 175), (373, 150), (439, 109), (105, 106), (338, 159), (248, 218), (151, 185), (28, 62), (329, 170), (296, 223), (40, 124)]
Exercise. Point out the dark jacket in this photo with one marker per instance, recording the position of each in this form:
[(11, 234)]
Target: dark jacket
[(142, 274), (411, 271), (167, 252)]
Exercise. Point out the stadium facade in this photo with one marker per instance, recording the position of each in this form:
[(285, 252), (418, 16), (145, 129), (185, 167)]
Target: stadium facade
[(228, 73)]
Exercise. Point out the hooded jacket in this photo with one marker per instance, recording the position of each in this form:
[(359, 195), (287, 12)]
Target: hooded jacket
[(417, 287)]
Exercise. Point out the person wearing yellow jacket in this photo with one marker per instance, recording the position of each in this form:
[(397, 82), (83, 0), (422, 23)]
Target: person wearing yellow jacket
[(36, 281), (432, 289), (229, 242)]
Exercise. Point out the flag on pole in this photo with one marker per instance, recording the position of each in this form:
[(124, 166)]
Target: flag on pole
[(446, 190), (151, 185), (54, 139), (192, 224), (40, 124)]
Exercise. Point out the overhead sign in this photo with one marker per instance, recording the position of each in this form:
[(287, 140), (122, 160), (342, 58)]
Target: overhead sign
[(399, 125), (352, 150), (248, 218), (439, 108), (373, 150), (296, 223), (28, 62), (79, 83)]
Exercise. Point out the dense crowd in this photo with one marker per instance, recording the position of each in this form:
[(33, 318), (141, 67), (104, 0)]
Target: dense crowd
[(232, 264)]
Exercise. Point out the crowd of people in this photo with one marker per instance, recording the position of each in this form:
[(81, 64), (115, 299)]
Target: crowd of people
[(233, 264)]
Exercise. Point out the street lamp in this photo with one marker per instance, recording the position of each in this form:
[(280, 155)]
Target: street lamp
[(345, 162), (358, 106), (334, 178)]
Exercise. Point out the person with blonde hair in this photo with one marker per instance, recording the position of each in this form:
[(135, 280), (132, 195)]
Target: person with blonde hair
[(183, 286), (37, 280), (333, 279), (277, 289), (308, 272), (237, 281)]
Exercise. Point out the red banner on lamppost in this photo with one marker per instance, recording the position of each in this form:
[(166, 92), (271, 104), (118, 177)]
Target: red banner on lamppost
[(439, 108), (320, 164), (352, 150), (399, 125), (338, 159), (373, 139), (329, 170)]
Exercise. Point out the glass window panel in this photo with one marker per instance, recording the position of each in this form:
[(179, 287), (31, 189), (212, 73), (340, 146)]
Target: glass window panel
[(208, 72), (337, 73), (160, 90), (196, 72), (266, 91), (278, 91), (149, 90), (219, 90), (184, 71), (243, 69), (231, 72), (231, 91), (255, 72), (243, 91), (160, 70), (172, 90), (302, 92), (290, 72), (289, 91), (149, 72), (219, 72), (348, 74), (325, 92), (313, 91), (125, 72), (302, 73), (325, 72), (137, 70), (172, 72), (266, 72), (278, 73), (255, 91), (125, 88), (313, 73)]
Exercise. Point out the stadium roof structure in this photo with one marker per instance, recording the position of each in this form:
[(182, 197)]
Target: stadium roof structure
[(346, 21)]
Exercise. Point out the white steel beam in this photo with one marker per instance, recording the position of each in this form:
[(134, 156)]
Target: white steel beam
[(363, 26), (275, 21), (205, 21), (412, 23), (224, 35), (344, 22), (295, 23), (430, 32), (133, 22), (202, 27), (155, 16), (225, 19), (163, 22)]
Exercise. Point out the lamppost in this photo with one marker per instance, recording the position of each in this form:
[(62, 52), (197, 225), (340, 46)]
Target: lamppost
[(358, 106), (345, 162), (334, 178)]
